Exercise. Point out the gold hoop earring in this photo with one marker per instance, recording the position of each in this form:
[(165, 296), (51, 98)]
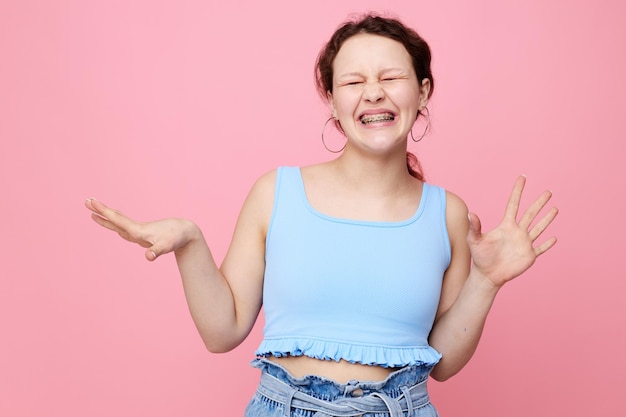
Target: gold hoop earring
[(426, 129), (324, 143)]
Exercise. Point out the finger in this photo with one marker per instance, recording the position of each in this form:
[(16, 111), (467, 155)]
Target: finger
[(94, 205), (512, 207), (543, 224), (102, 221), (151, 254), (123, 233), (474, 233), (545, 246), (88, 203), (113, 216), (531, 213), (132, 234), (154, 251)]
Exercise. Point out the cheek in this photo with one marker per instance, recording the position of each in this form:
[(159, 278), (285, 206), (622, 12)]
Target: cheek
[(410, 108), (345, 104), (407, 97)]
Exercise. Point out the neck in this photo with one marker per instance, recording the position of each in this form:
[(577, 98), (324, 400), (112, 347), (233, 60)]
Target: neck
[(373, 172)]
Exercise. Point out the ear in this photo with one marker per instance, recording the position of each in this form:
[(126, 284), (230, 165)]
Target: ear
[(331, 103), (424, 92)]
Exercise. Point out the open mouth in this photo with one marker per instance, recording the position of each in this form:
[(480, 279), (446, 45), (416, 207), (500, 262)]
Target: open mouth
[(367, 119)]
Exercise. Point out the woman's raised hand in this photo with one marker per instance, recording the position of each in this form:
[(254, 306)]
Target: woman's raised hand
[(508, 250), (158, 237)]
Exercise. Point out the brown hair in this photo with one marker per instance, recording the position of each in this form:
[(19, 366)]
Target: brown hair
[(390, 28)]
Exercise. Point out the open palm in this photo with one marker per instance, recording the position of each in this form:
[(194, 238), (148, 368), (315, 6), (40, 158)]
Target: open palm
[(158, 237), (508, 250)]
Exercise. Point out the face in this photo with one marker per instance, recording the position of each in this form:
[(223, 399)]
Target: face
[(376, 94)]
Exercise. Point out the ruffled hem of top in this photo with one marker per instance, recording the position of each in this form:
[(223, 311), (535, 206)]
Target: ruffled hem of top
[(386, 356)]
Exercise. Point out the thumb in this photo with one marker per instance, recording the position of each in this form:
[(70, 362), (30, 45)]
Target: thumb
[(474, 233), (153, 252)]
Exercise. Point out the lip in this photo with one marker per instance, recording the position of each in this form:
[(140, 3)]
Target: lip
[(370, 112)]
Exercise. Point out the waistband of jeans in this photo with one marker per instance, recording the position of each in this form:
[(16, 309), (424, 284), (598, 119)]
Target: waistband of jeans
[(387, 396), (408, 376), (290, 397)]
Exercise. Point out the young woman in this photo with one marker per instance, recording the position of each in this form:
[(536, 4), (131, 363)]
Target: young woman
[(371, 279)]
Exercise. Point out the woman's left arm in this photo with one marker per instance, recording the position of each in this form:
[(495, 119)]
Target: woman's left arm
[(496, 257)]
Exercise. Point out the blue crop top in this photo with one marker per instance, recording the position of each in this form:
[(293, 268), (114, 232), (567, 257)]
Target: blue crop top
[(366, 292)]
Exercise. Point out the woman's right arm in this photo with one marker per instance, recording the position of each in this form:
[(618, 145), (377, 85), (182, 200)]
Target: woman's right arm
[(224, 302)]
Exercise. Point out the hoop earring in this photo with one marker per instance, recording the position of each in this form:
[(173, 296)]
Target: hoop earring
[(324, 143), (425, 129)]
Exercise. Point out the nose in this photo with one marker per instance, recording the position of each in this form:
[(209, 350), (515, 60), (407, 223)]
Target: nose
[(373, 92)]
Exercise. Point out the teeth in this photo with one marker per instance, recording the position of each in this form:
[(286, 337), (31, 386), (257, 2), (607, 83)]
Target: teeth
[(384, 117)]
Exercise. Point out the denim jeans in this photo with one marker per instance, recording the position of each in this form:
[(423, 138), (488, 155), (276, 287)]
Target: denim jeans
[(402, 394)]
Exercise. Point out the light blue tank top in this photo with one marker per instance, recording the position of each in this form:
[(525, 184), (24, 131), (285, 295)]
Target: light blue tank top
[(366, 292)]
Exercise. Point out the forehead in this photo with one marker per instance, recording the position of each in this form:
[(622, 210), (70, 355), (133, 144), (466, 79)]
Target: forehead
[(367, 51)]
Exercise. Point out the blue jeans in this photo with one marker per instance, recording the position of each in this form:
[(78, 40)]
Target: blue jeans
[(402, 394)]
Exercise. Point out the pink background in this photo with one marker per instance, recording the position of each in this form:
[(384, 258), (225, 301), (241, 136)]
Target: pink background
[(175, 108)]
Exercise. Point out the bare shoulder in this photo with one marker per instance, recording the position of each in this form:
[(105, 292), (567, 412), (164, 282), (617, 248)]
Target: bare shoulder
[(456, 215), (260, 200), (264, 185)]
